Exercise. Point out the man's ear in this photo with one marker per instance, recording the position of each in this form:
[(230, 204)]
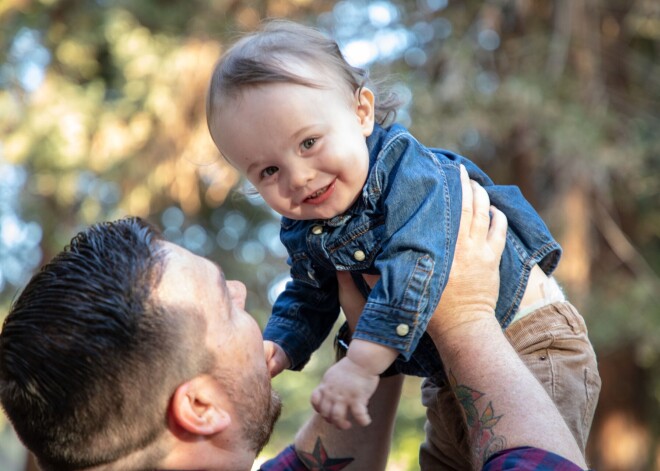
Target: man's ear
[(365, 109), (197, 406)]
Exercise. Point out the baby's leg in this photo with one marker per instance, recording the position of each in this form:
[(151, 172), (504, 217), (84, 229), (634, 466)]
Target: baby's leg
[(552, 341), (446, 445)]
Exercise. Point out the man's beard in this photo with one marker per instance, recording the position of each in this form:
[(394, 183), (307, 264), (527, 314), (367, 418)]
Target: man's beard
[(258, 408), (258, 430)]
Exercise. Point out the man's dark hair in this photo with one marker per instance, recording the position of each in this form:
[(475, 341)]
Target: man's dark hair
[(88, 360)]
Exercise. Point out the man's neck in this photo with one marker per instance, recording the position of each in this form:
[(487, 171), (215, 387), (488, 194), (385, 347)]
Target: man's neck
[(205, 453)]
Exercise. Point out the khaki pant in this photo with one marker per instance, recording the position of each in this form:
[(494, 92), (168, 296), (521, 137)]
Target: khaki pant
[(552, 341)]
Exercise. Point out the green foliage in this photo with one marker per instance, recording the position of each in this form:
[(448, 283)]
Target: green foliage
[(541, 94)]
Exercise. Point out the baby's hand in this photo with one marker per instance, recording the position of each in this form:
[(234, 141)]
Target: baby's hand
[(345, 386), (276, 359)]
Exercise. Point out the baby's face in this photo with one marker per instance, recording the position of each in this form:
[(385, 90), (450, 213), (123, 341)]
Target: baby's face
[(304, 149)]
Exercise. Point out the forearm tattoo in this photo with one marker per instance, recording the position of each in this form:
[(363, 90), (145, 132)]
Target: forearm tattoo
[(318, 460), (480, 421)]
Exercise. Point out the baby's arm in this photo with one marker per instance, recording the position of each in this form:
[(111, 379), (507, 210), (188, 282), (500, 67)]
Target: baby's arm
[(302, 318), (349, 383)]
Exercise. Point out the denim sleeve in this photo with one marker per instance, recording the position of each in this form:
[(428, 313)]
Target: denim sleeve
[(529, 240), (421, 200), (304, 312)]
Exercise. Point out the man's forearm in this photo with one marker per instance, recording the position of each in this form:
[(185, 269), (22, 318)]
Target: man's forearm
[(496, 392), (359, 448)]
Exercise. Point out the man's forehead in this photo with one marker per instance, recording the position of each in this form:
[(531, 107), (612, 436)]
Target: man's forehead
[(184, 269), (183, 256)]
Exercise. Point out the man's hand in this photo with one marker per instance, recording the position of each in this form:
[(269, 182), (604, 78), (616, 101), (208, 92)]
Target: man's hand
[(473, 285), (472, 289), (276, 359)]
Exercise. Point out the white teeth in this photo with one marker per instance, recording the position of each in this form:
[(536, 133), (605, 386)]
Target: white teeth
[(316, 194)]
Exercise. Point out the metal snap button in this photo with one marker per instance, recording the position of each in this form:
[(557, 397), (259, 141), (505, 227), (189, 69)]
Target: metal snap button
[(316, 230), (402, 330), (359, 255)]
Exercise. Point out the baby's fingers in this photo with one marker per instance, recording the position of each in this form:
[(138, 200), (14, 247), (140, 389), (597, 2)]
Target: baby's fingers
[(361, 414), (316, 400), (323, 404), (338, 416)]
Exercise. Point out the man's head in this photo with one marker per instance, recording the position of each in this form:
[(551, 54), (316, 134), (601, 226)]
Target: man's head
[(125, 349)]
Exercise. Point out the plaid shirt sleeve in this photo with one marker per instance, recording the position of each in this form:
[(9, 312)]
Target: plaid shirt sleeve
[(528, 459), (515, 459), (287, 460)]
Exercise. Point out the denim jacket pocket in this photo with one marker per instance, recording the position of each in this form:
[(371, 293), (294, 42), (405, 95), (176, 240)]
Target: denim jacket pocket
[(355, 256), (302, 270), (357, 250)]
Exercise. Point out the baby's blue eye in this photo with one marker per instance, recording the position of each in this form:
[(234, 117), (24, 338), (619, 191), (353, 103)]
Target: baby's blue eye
[(308, 143), (268, 171)]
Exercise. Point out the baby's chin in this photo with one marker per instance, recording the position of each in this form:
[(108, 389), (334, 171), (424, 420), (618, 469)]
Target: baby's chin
[(325, 215), (312, 215), (329, 212)]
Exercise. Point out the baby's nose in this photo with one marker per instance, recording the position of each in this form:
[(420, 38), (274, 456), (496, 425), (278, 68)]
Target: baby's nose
[(300, 177)]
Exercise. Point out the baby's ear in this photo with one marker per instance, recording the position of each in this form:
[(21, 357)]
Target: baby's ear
[(365, 109)]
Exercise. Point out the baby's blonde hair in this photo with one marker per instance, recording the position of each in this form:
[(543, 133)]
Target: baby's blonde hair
[(264, 56)]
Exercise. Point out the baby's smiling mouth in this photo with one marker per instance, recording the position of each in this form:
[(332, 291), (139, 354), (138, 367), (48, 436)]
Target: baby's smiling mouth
[(317, 193), (320, 195)]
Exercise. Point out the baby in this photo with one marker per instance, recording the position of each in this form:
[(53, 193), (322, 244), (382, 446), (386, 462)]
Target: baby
[(307, 131)]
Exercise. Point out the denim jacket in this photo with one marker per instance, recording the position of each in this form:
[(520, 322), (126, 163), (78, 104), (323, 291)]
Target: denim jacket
[(402, 227)]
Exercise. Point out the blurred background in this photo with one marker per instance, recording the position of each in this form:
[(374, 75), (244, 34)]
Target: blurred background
[(102, 116)]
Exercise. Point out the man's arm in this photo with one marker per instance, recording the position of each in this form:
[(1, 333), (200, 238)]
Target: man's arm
[(367, 448), (504, 405), (363, 448)]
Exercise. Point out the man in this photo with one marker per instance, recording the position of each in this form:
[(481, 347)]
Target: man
[(127, 352)]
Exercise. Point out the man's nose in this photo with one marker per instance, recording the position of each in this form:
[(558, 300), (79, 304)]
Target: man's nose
[(237, 292)]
